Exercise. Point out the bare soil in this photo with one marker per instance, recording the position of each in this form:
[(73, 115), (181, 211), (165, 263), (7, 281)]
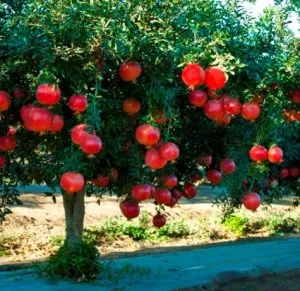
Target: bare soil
[(289, 281), (28, 233)]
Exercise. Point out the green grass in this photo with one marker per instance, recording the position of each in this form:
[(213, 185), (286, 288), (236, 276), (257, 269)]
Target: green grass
[(236, 224)]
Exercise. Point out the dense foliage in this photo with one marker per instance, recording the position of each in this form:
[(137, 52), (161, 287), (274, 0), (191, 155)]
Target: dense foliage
[(79, 47)]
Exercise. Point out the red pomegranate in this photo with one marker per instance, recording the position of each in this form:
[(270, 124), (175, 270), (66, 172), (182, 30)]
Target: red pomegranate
[(197, 98), (170, 181), (159, 220), (130, 71), (141, 192), (39, 119), (154, 160), (251, 200), (258, 99), (57, 123), (205, 160), (258, 153), (47, 94), (190, 191), (172, 202), (19, 93), (284, 173), (130, 209), (275, 155), (213, 109), (294, 172), (147, 135), (2, 162), (162, 196), (177, 194), (78, 102), (295, 96), (72, 182), (224, 121), (169, 151), (4, 101), (227, 166), (79, 133), (153, 189), (25, 109), (214, 176), (160, 117), (101, 181), (250, 111), (215, 78), (131, 106), (7, 143), (232, 106), (193, 75), (92, 145)]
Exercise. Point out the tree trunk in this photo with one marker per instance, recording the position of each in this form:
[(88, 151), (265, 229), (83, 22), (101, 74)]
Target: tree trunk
[(74, 215)]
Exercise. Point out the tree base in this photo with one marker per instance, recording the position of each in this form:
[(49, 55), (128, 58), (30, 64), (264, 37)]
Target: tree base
[(79, 263)]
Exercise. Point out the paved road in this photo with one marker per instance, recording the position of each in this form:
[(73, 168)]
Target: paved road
[(167, 271)]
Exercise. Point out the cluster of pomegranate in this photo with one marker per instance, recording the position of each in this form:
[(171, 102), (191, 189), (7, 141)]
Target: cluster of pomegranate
[(259, 153), (220, 109), (293, 172), (88, 142)]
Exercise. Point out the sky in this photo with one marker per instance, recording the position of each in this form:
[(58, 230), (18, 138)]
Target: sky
[(260, 5)]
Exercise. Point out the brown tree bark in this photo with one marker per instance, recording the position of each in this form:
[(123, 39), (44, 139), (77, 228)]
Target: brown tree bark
[(74, 215)]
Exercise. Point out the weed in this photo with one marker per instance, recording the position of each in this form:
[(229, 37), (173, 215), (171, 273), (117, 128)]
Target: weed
[(280, 224), (57, 240), (78, 263), (174, 229), (236, 224)]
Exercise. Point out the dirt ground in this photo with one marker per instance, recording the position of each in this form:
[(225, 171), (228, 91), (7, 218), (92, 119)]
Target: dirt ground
[(289, 281), (29, 230)]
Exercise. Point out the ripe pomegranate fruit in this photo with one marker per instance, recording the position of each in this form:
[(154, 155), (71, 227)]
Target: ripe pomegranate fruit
[(227, 166), (190, 191), (7, 143), (193, 75), (215, 78), (294, 172), (130, 209), (213, 109), (92, 145), (160, 117), (251, 200), (79, 133), (4, 101), (258, 153), (101, 181), (147, 135), (78, 102), (258, 99), (232, 106), (169, 151), (2, 162), (205, 160), (57, 123), (224, 121), (154, 160), (172, 202), (250, 111), (177, 194), (141, 192), (131, 106), (275, 155), (159, 220), (130, 71), (197, 98), (162, 196), (214, 176), (170, 181), (39, 119), (284, 173), (72, 182), (47, 94), (295, 96)]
